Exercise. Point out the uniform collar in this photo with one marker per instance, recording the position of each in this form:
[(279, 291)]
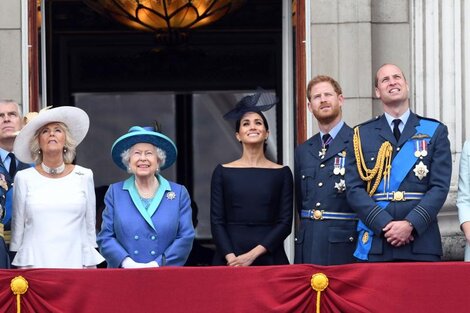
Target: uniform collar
[(335, 130), (403, 118)]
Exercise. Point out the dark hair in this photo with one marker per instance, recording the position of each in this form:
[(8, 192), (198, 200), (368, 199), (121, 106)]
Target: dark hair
[(238, 122), (265, 121)]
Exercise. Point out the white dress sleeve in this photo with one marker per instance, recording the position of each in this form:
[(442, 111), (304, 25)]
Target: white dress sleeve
[(91, 255), (90, 215), (18, 215)]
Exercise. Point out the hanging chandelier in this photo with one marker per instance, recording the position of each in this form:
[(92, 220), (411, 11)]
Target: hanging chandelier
[(165, 15)]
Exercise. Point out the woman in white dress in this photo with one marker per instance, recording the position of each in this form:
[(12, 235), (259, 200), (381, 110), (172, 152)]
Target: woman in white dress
[(463, 197), (53, 220)]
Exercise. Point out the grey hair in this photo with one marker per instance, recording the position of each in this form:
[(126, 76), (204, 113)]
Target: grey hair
[(126, 156), (8, 101), (69, 147)]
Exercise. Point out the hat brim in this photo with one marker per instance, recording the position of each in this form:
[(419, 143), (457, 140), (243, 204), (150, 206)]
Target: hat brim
[(76, 120), (260, 101), (239, 112), (160, 141)]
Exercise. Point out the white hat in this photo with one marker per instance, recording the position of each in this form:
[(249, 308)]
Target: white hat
[(76, 119)]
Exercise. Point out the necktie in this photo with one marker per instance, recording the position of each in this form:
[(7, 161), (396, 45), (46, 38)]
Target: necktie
[(12, 169), (396, 130), (326, 139)]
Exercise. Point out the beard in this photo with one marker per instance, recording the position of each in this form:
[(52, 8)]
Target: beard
[(327, 118)]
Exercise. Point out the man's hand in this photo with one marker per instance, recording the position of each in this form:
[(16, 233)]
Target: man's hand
[(398, 233)]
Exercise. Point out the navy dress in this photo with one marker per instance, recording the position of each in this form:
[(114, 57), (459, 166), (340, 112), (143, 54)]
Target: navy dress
[(250, 207)]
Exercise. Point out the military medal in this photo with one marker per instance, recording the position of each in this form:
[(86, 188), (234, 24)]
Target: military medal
[(339, 165), (421, 170), (421, 148), (3, 182), (325, 145), (340, 186), (342, 170)]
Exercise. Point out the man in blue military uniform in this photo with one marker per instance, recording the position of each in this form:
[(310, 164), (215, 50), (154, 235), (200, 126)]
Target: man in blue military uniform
[(327, 233), (10, 123), (402, 169)]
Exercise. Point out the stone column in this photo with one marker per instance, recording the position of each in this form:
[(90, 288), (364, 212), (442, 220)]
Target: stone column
[(441, 71), (10, 52), (340, 42)]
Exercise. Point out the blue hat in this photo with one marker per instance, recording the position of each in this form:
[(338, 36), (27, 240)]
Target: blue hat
[(137, 134), (258, 102)]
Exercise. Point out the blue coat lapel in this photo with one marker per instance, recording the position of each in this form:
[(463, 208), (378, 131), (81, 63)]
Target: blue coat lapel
[(162, 189), (385, 131), (315, 145), (147, 213)]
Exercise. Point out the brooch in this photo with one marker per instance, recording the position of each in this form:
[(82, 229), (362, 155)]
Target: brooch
[(421, 170), (340, 186), (79, 173), (3, 182), (171, 195)]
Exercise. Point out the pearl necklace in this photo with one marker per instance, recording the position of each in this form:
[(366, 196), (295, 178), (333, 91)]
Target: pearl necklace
[(53, 170), (148, 194)]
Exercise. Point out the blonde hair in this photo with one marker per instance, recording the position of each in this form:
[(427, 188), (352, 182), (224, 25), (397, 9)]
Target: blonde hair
[(69, 147)]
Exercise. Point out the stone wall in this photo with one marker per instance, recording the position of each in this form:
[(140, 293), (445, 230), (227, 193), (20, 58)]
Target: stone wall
[(10, 49)]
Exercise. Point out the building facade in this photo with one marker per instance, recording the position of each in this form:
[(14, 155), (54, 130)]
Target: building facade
[(348, 40)]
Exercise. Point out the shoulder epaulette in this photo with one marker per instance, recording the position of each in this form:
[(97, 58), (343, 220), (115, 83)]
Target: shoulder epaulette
[(428, 118), (368, 121)]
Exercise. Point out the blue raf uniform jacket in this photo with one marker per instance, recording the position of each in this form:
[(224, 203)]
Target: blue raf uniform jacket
[(421, 213), (163, 232), (327, 241)]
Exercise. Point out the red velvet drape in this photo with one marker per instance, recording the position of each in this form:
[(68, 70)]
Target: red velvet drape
[(378, 287)]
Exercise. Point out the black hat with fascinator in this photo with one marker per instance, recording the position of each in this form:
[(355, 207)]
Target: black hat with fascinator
[(259, 102)]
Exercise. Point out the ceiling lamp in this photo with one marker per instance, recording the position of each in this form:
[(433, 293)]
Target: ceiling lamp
[(165, 15)]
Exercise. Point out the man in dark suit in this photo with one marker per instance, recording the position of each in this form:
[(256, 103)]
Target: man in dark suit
[(327, 233), (402, 170), (11, 123)]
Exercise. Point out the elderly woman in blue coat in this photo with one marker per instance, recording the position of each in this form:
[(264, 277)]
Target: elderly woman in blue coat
[(147, 220)]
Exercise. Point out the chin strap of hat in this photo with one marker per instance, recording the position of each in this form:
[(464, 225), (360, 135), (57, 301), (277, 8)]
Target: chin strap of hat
[(381, 168)]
